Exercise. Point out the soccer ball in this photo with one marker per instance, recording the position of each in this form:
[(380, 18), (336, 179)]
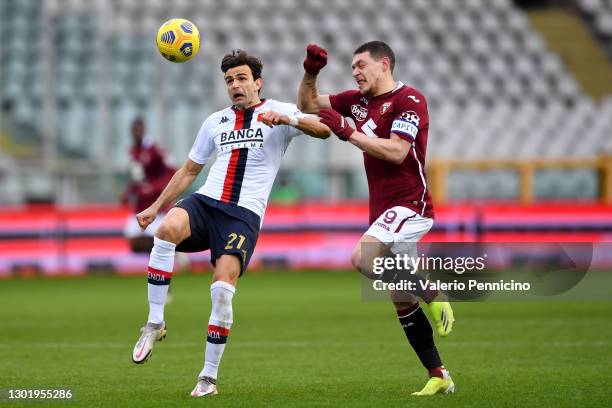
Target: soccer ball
[(178, 40)]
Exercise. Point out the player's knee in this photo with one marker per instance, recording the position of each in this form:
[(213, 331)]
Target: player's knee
[(175, 227), (168, 231), (356, 259), (359, 264), (227, 269), (407, 302)]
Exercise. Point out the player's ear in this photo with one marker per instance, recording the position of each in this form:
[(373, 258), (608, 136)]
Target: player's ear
[(386, 64), (259, 83)]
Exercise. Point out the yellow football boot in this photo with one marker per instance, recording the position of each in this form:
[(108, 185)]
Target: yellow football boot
[(437, 385), (442, 313)]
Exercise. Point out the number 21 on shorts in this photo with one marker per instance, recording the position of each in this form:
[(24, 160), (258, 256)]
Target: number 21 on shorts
[(233, 237)]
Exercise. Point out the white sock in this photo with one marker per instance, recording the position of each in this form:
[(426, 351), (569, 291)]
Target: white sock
[(159, 274), (219, 324)]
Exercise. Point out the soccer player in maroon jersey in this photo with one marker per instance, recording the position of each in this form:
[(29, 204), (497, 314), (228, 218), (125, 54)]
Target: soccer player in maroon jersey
[(149, 174), (392, 124)]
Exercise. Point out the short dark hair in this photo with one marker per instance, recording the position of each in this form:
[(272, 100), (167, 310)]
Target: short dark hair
[(241, 57), (378, 50)]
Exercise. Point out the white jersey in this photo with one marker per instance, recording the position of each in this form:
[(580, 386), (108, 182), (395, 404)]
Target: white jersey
[(249, 153)]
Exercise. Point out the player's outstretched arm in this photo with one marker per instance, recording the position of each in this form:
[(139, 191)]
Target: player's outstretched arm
[(177, 185), (394, 150), (310, 126), (309, 100)]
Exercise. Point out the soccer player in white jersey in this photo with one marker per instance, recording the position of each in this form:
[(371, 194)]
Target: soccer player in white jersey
[(250, 138)]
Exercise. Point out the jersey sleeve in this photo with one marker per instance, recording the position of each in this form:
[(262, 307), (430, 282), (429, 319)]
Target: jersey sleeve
[(204, 144), (411, 115), (291, 109), (341, 102)]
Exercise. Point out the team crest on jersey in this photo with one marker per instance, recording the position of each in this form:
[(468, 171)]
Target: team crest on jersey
[(363, 100), (385, 107), (359, 112)]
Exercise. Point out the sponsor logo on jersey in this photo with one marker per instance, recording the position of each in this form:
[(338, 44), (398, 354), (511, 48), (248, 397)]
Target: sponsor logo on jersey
[(359, 112), (414, 98), (224, 119), (241, 138), (383, 226), (363, 100), (385, 107)]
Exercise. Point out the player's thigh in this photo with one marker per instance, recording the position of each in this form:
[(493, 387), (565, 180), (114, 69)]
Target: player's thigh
[(380, 236), (368, 248), (234, 237), (411, 231), (175, 226)]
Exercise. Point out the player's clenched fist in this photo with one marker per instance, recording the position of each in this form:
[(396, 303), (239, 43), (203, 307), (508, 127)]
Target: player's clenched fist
[(146, 217), (336, 123), (316, 59), (273, 118)]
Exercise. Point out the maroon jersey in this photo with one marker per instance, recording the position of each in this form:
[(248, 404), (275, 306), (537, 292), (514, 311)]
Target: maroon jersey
[(155, 174), (402, 111)]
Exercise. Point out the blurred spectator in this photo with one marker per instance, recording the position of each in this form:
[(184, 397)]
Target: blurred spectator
[(149, 174)]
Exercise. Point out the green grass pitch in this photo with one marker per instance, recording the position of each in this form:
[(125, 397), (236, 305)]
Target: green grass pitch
[(299, 339)]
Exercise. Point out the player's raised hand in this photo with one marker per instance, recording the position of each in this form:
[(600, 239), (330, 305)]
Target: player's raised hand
[(336, 123), (273, 118), (146, 217), (316, 59)]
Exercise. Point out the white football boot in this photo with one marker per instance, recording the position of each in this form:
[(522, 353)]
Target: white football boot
[(206, 386), (151, 333)]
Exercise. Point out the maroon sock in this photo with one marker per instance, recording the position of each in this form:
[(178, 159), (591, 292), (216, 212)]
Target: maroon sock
[(437, 372)]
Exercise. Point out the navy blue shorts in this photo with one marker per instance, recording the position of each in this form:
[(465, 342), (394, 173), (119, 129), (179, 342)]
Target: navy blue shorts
[(223, 228)]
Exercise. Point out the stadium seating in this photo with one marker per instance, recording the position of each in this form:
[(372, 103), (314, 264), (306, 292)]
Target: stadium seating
[(600, 13), (495, 89)]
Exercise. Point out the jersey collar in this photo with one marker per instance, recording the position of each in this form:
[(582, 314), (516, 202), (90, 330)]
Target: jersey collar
[(398, 86), (252, 107)]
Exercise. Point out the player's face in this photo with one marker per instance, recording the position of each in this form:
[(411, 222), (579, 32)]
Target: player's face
[(242, 89), (137, 131), (367, 72)]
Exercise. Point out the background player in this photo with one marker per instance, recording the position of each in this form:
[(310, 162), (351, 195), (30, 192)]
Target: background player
[(250, 138), (392, 123), (149, 174)]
